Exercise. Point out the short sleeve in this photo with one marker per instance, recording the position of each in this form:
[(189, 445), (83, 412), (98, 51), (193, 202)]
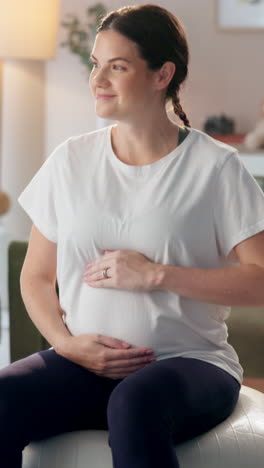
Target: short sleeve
[(238, 205), (40, 197)]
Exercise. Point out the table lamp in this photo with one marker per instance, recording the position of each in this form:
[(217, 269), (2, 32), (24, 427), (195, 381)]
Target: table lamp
[(28, 33)]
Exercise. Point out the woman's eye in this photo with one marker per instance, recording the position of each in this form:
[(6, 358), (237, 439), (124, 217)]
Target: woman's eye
[(118, 67), (115, 67)]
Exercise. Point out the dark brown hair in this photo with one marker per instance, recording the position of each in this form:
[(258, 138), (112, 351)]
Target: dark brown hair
[(160, 37)]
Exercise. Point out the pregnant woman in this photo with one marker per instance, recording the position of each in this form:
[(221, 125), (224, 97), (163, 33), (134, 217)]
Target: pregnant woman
[(152, 230)]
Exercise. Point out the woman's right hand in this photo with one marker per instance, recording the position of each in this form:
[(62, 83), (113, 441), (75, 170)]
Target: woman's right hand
[(104, 355)]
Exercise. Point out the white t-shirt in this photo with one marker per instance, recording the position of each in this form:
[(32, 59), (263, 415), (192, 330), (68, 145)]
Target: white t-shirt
[(190, 208)]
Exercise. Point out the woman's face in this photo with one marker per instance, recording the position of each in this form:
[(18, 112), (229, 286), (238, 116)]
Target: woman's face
[(120, 81)]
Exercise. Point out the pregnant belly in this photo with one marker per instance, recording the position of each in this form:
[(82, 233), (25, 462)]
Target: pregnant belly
[(113, 312)]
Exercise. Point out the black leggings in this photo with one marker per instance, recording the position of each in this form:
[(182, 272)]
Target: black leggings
[(146, 413)]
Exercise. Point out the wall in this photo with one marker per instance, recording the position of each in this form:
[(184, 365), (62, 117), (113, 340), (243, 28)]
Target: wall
[(226, 73), (1, 99)]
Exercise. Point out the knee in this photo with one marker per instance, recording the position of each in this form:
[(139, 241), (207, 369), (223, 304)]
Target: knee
[(5, 406), (11, 409), (129, 401), (4, 409), (6, 392)]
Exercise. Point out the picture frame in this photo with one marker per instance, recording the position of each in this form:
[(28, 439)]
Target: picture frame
[(240, 15)]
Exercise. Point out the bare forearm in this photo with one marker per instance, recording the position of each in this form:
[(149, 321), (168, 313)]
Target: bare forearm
[(238, 286), (42, 304)]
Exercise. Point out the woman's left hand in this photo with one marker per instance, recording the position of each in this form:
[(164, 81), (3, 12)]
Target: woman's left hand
[(126, 269)]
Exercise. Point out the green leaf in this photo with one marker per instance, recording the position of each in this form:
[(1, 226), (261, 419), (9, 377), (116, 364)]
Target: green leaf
[(80, 36)]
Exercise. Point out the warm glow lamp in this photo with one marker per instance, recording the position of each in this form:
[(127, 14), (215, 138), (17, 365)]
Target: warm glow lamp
[(28, 29), (28, 33)]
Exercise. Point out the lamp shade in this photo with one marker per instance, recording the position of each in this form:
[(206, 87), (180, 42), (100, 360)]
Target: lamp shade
[(28, 29)]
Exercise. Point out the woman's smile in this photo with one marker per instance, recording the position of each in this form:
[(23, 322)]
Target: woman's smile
[(104, 96)]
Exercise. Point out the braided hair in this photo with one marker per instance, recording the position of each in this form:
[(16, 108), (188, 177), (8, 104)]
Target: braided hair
[(160, 37), (179, 110)]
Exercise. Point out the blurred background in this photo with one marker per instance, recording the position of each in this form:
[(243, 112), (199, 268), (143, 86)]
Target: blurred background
[(45, 97)]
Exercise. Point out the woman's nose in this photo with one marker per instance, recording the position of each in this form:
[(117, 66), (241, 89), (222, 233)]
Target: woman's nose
[(100, 77)]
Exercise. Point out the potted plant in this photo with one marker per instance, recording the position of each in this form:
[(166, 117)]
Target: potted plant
[(81, 36)]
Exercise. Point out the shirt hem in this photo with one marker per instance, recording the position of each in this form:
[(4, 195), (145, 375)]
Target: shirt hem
[(245, 234)]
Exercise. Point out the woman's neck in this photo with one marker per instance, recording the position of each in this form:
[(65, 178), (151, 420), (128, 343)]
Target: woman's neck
[(138, 146)]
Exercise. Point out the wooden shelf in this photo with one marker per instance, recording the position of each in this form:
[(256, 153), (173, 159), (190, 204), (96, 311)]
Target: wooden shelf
[(230, 139)]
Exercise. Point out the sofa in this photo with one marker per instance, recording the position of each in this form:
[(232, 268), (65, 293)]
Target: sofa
[(238, 442)]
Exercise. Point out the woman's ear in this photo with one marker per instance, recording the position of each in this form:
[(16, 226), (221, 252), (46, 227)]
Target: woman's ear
[(164, 75)]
